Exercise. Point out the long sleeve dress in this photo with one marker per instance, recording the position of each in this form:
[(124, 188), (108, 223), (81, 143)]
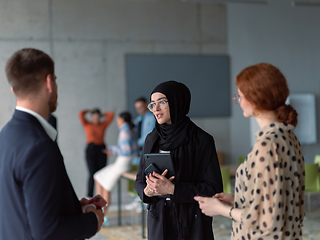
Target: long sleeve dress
[(269, 187)]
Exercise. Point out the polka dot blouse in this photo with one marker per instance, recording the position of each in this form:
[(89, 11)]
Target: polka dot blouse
[(270, 187)]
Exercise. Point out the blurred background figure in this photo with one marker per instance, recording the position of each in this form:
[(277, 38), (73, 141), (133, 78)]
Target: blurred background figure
[(144, 124), (95, 131), (126, 149)]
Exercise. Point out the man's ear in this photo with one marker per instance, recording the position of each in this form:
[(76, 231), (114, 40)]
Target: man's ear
[(12, 90), (49, 82)]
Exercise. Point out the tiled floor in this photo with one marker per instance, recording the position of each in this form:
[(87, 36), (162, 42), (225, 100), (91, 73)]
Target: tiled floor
[(131, 229)]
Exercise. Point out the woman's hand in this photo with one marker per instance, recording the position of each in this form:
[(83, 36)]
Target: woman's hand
[(148, 192), (211, 206), (108, 152), (158, 185), (225, 197)]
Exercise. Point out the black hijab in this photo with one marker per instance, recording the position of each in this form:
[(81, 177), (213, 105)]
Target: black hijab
[(179, 99)]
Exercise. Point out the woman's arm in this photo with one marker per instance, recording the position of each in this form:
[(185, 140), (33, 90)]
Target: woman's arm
[(108, 118), (140, 184), (211, 182), (213, 206), (125, 143), (262, 193), (82, 117)]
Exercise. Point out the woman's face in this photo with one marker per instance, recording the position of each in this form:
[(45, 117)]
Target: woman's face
[(247, 107), (161, 110), (120, 121), (95, 118)]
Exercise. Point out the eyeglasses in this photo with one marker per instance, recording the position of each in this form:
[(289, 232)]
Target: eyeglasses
[(236, 98), (162, 105)]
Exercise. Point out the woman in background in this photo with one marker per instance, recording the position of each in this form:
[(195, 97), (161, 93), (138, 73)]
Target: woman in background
[(197, 170), (126, 149), (95, 130), (269, 188)]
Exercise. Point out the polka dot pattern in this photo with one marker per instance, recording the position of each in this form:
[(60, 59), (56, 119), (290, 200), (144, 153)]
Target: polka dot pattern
[(269, 187)]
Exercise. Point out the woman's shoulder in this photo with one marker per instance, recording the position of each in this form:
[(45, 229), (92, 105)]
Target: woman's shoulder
[(198, 132), (152, 136)]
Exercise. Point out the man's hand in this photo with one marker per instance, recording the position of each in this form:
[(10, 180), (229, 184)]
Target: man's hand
[(100, 216), (95, 205)]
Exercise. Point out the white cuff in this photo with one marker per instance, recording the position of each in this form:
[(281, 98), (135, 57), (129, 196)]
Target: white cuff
[(84, 208)]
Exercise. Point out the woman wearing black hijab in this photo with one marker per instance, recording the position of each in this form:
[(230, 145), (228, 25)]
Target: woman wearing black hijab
[(197, 170)]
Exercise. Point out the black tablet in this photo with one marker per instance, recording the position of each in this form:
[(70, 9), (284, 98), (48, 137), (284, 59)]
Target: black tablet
[(162, 161)]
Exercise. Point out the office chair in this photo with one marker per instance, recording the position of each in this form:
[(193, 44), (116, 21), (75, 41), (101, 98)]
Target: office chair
[(312, 181), (226, 180)]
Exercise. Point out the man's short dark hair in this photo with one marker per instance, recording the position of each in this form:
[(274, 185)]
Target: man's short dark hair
[(141, 99), (26, 68)]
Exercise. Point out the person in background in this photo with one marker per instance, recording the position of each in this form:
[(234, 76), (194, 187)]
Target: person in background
[(144, 123), (126, 149), (95, 131), (269, 187), (37, 199), (197, 170)]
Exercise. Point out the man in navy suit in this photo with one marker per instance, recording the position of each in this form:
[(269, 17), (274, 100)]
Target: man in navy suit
[(37, 200)]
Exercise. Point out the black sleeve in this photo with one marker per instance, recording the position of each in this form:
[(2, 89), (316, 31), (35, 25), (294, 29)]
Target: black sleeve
[(140, 182), (211, 182), (46, 189)]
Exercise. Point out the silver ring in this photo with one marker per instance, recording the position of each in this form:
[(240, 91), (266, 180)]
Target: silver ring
[(153, 192)]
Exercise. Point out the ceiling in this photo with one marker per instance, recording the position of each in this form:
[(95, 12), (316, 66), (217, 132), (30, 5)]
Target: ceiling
[(294, 3)]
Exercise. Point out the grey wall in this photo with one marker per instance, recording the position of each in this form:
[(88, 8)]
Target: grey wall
[(281, 35), (88, 41)]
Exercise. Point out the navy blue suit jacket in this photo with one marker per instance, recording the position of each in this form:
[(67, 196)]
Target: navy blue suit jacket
[(37, 200)]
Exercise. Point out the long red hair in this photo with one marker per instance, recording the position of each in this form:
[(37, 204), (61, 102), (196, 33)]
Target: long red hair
[(265, 86)]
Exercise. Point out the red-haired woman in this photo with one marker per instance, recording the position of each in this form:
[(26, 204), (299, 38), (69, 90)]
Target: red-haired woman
[(269, 188)]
